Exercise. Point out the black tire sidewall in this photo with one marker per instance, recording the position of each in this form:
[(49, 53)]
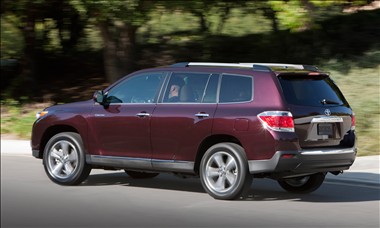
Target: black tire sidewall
[(237, 152), (314, 182), (81, 171)]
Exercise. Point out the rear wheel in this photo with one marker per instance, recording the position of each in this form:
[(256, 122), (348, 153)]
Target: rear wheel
[(224, 171), (64, 159), (140, 175), (305, 184)]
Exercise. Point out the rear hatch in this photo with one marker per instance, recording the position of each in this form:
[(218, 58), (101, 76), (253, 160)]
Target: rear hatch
[(322, 116)]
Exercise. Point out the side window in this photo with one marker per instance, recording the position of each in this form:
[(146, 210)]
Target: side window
[(236, 88), (141, 88), (186, 87), (211, 90)]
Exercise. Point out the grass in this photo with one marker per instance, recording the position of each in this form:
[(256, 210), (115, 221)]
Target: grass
[(361, 87), (17, 119)]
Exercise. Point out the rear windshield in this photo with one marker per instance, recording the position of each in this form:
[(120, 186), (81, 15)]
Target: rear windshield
[(311, 91)]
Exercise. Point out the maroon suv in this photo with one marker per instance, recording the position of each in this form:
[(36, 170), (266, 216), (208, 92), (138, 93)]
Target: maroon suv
[(223, 122)]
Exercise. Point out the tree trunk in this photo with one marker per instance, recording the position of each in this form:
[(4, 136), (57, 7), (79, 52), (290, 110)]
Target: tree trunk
[(25, 83), (118, 50), (109, 53)]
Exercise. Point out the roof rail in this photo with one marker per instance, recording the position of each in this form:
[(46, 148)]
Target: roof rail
[(286, 66), (254, 66)]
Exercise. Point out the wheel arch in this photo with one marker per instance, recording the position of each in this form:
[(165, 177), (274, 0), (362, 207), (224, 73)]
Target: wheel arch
[(209, 142), (50, 132)]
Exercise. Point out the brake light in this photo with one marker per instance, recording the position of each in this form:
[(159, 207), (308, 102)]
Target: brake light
[(277, 120), (353, 121)]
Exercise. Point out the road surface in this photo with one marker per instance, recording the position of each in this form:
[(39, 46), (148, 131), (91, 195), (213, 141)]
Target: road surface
[(113, 199)]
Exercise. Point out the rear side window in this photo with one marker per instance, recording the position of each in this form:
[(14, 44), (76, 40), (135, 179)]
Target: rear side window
[(311, 91), (186, 87), (235, 88)]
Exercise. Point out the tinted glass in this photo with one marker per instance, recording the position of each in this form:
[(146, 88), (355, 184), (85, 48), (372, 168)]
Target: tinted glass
[(186, 87), (137, 89), (235, 88), (211, 90), (311, 91)]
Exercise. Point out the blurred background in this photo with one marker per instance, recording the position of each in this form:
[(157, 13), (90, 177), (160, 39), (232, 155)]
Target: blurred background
[(58, 51)]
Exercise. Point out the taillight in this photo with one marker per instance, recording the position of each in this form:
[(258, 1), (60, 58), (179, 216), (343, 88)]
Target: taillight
[(353, 121), (277, 120)]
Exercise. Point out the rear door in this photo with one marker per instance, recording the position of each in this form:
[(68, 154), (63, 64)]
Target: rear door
[(322, 116), (179, 125)]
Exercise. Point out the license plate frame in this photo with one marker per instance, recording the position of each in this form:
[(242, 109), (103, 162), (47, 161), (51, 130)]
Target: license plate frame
[(325, 129)]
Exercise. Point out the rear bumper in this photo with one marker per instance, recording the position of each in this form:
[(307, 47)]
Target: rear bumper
[(305, 161)]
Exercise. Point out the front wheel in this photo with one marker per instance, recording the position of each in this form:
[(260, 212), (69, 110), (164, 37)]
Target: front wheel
[(64, 159), (305, 184), (224, 171)]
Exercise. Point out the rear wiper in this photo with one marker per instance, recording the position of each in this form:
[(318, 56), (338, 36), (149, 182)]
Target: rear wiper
[(324, 101)]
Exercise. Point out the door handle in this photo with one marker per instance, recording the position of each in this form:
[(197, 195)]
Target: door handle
[(202, 115), (142, 114)]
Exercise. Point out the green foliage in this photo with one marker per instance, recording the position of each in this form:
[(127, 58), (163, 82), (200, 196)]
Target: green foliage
[(17, 119), (11, 39), (291, 14), (360, 85)]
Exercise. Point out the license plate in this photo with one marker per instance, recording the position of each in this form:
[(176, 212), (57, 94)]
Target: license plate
[(325, 129)]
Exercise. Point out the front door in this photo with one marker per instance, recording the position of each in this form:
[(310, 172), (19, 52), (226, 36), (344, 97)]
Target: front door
[(122, 126)]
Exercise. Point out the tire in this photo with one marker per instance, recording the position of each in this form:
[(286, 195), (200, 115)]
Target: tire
[(305, 184), (140, 175), (224, 171), (64, 159)]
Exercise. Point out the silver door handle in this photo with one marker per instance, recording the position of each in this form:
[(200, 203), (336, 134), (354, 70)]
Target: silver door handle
[(142, 114), (202, 115)]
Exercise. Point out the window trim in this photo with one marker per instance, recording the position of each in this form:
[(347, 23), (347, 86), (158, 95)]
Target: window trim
[(237, 75)]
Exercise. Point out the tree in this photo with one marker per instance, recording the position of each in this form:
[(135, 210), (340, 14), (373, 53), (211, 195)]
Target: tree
[(117, 21), (27, 16)]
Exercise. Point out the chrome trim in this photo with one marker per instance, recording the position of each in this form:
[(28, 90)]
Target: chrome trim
[(218, 64), (312, 152), (248, 65), (283, 65), (327, 119), (141, 163), (202, 115), (142, 114)]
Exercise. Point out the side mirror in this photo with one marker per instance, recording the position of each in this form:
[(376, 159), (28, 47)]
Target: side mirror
[(99, 97)]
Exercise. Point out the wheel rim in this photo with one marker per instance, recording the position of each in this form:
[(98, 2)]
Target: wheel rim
[(221, 172), (297, 182), (62, 159)]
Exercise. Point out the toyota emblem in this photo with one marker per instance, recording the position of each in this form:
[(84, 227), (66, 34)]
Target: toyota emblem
[(327, 112)]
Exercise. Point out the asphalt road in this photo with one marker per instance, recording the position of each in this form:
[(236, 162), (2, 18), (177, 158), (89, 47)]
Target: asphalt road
[(113, 199)]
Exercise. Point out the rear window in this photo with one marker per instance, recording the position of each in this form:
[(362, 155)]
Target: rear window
[(311, 91)]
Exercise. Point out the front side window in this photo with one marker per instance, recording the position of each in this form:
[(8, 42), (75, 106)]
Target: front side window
[(236, 88), (186, 87), (141, 88)]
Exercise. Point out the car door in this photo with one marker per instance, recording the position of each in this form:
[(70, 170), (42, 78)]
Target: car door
[(122, 126), (178, 126)]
